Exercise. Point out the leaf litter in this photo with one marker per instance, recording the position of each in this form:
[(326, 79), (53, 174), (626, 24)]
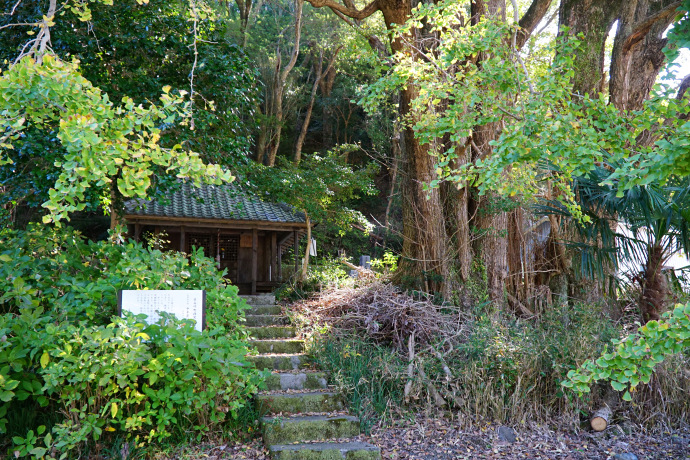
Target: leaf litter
[(443, 439)]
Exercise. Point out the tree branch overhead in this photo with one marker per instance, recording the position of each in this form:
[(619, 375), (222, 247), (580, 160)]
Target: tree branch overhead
[(348, 9)]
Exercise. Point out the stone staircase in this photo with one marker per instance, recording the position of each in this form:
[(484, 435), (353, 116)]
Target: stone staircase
[(300, 423)]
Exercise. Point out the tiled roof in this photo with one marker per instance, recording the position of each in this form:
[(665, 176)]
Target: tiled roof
[(225, 202)]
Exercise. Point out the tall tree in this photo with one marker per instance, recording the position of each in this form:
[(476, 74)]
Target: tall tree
[(275, 104), (429, 239), (319, 74)]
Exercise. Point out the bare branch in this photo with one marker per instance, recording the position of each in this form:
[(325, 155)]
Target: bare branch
[(529, 21), (14, 7), (298, 34), (45, 30), (515, 48), (17, 24), (684, 85), (351, 11)]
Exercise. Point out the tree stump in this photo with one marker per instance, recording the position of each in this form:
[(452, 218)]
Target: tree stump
[(600, 418)]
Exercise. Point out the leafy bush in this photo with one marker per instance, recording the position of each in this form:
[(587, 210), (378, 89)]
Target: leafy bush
[(633, 360), (62, 350)]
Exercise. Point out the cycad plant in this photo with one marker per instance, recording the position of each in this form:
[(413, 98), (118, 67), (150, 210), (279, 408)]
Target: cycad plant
[(657, 218)]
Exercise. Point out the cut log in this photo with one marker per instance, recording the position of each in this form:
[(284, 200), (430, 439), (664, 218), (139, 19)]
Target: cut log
[(600, 418)]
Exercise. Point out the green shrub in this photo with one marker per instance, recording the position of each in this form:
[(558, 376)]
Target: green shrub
[(633, 360), (62, 350)]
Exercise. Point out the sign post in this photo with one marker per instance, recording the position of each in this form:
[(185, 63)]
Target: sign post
[(184, 304)]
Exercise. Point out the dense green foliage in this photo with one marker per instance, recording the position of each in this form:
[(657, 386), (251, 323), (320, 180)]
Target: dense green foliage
[(131, 97), (654, 216), (63, 351), (549, 135), (369, 374), (322, 186), (113, 149), (130, 51)]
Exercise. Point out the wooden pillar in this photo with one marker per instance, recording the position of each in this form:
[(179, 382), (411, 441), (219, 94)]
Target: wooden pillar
[(255, 251), (183, 242), (295, 234), (279, 275), (137, 231), (274, 246), (218, 249)]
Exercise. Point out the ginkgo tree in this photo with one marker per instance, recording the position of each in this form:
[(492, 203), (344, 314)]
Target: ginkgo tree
[(113, 149)]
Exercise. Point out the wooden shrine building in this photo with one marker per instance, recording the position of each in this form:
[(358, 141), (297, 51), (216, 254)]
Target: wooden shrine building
[(245, 235)]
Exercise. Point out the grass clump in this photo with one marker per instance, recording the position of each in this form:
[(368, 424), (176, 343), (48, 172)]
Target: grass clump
[(367, 373)]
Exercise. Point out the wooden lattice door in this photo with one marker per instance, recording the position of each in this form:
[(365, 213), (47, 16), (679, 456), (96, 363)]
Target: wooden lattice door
[(200, 240), (228, 250)]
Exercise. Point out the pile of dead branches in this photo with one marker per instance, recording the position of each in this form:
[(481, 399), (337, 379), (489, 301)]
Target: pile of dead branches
[(381, 311)]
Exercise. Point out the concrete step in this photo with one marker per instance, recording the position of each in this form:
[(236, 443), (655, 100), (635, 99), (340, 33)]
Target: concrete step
[(279, 362), (264, 310), (278, 346), (294, 403), (300, 428), (296, 381), (265, 320), (325, 451), (259, 299), (272, 332)]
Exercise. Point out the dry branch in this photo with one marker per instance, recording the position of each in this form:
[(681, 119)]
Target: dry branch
[(381, 311)]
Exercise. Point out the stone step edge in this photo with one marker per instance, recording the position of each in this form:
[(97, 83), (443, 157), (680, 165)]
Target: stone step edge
[(343, 447), (302, 428), (299, 403), (298, 393), (296, 418), (265, 320), (280, 361), (275, 346), (272, 331), (264, 310)]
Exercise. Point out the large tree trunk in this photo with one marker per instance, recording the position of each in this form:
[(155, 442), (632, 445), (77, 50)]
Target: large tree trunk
[(637, 54), (490, 220), (424, 231), (636, 60), (593, 19), (427, 239)]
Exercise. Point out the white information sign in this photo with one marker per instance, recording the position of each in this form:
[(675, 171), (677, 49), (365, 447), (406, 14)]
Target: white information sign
[(184, 304)]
